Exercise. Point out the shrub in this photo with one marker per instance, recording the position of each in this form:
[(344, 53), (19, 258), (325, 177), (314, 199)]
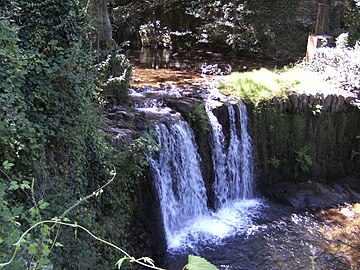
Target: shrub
[(303, 160), (340, 66), (115, 74)]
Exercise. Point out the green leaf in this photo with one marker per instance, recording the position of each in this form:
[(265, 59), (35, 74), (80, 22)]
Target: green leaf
[(33, 212), (7, 165), (13, 185), (25, 185), (43, 204), (32, 249), (46, 250), (45, 230), (17, 210), (58, 244), (198, 263)]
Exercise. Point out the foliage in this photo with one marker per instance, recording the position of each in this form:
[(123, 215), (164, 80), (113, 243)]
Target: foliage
[(274, 28), (351, 10), (274, 162), (263, 84), (303, 160), (230, 25), (47, 230), (198, 263), (154, 35), (50, 147), (339, 66), (114, 74), (198, 119), (224, 25)]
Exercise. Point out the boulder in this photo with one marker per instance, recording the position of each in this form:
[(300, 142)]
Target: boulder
[(311, 194)]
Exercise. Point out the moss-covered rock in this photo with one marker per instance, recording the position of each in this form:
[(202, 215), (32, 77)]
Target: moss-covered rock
[(305, 137)]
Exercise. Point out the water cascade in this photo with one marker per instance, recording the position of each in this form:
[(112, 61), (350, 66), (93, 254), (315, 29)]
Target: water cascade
[(181, 189), (178, 179), (232, 166), (247, 162)]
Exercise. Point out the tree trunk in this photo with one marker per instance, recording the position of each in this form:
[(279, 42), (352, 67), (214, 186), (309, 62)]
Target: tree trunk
[(101, 20), (322, 20)]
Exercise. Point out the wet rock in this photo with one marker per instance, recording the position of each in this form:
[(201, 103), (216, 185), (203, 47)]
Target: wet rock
[(310, 195), (183, 105), (327, 102), (294, 99), (122, 136)]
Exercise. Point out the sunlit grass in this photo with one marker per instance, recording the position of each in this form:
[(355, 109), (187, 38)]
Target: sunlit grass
[(263, 84)]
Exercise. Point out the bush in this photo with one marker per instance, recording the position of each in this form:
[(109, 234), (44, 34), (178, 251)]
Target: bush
[(115, 74), (340, 66), (50, 148)]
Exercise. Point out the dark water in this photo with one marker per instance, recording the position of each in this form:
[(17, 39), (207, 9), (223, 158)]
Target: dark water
[(200, 61), (278, 239)]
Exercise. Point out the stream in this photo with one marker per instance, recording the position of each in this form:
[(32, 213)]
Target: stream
[(244, 231), (275, 238)]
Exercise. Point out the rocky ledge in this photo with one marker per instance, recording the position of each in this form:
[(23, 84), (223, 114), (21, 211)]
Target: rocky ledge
[(314, 195)]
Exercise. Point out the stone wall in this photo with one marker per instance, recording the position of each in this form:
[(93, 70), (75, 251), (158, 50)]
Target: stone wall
[(306, 138)]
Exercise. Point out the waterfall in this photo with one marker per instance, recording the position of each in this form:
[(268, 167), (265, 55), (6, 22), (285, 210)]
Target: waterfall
[(221, 186), (181, 189), (247, 162), (233, 166), (178, 179)]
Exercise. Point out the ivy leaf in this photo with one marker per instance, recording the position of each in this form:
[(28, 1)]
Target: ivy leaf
[(34, 212), (13, 185), (25, 185), (43, 204), (7, 165), (46, 250), (198, 263), (32, 249), (17, 210), (45, 230)]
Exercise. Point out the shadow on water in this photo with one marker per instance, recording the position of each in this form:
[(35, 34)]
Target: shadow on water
[(279, 238), (188, 69), (193, 60)]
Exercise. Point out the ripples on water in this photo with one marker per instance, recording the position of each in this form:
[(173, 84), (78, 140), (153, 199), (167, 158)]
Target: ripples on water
[(254, 234)]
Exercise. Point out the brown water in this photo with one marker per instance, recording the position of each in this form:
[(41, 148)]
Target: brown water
[(159, 68)]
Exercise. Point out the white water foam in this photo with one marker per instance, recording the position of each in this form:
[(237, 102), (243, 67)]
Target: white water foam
[(233, 218), (178, 180)]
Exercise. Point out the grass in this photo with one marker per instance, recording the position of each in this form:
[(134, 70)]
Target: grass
[(261, 85)]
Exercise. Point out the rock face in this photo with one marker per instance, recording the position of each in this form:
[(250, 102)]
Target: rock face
[(312, 195), (306, 138)]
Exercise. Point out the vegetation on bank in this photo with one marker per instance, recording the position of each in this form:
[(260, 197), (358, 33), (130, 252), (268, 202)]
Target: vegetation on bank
[(332, 69), (276, 29), (52, 149), (263, 84)]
